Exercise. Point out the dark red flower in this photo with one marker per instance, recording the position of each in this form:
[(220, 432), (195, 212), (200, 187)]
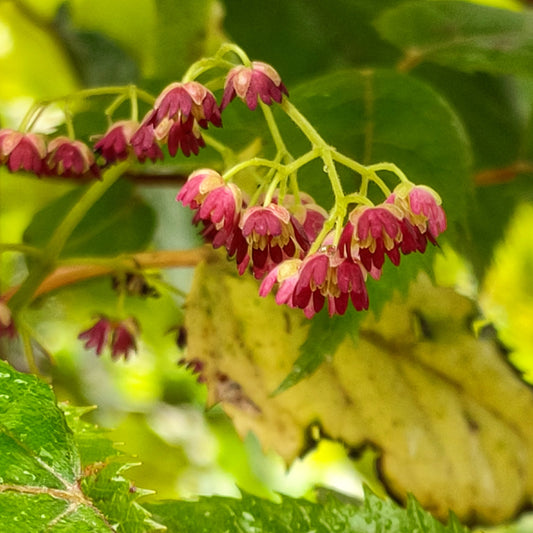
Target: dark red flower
[(260, 80), (71, 159), (97, 336), (145, 145), (371, 233), (272, 236), (118, 335), (307, 212), (423, 219), (180, 134), (123, 339), (115, 144), (198, 185), (22, 151), (179, 101), (326, 276)]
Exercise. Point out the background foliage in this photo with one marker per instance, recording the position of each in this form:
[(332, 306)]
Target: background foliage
[(441, 88)]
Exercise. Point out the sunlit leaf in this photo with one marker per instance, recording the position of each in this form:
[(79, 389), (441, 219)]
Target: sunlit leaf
[(445, 409)]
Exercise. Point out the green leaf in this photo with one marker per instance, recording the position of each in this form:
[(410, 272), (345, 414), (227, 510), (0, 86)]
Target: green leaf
[(115, 496), (251, 514), (42, 484), (462, 35), (39, 461), (120, 221), (382, 115), (91, 441), (98, 59)]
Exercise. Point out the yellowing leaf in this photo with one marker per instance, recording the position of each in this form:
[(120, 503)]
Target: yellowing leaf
[(448, 414)]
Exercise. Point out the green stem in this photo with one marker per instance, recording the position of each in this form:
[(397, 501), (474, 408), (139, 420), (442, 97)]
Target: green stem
[(21, 248), (254, 162), (28, 350), (60, 236), (227, 154)]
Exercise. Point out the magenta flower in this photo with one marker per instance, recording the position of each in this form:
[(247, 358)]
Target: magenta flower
[(97, 336), (424, 218), (118, 335), (22, 151), (198, 185), (272, 235), (179, 101), (307, 212), (286, 275), (71, 159), (180, 134), (145, 145), (115, 144), (259, 80), (326, 276), (372, 232)]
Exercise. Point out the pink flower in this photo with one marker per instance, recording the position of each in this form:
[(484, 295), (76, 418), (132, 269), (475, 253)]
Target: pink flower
[(118, 335), (307, 212), (197, 187), (115, 144), (259, 80), (22, 151), (180, 134), (372, 232), (272, 235), (144, 144), (179, 101), (424, 218), (321, 277), (218, 205), (97, 336), (326, 276), (71, 159)]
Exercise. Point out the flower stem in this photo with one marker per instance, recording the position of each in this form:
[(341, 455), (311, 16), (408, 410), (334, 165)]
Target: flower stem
[(60, 236)]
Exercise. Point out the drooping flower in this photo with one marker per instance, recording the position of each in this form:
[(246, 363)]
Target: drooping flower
[(371, 233), (272, 235), (97, 336), (119, 336), (123, 339), (177, 116), (260, 80), (307, 212), (115, 144), (71, 159), (179, 101), (144, 144), (218, 205), (180, 134), (320, 277), (22, 151), (424, 218)]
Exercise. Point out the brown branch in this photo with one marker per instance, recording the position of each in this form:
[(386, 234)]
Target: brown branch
[(68, 275), (495, 176)]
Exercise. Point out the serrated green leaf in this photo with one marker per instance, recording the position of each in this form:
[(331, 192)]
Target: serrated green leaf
[(118, 222), (115, 496), (251, 515), (462, 35), (91, 441), (42, 486)]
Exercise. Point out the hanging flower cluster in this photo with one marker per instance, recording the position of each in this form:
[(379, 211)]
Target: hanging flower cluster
[(310, 258)]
